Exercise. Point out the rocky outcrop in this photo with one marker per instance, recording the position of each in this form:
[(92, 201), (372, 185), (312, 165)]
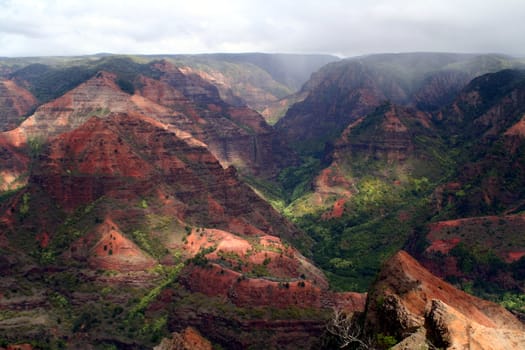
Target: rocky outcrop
[(188, 339), (410, 304), (107, 248)]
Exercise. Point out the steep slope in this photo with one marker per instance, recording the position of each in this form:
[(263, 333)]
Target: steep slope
[(376, 175), (15, 103), (475, 239), (460, 168), (236, 135), (90, 206), (408, 303), (391, 144), (485, 122), (344, 91), (14, 166), (124, 152)]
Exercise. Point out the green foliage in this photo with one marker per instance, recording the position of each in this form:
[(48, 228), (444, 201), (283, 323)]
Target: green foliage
[(476, 261), (126, 86), (482, 270), (172, 272), (85, 321), (150, 244), (59, 301), (385, 341), (154, 329), (35, 145), (271, 191), (512, 301), (200, 258), (259, 271), (339, 263), (296, 181), (24, 206), (351, 248), (48, 83)]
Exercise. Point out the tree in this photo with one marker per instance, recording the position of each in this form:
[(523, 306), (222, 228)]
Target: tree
[(346, 328)]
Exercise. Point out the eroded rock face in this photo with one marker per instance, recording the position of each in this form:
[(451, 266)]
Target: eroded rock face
[(342, 92), (107, 248), (119, 158), (188, 339), (386, 135), (14, 163), (235, 135), (15, 103), (384, 141), (455, 330), (260, 271), (407, 300)]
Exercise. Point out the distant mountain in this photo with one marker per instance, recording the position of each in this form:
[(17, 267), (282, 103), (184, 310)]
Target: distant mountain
[(235, 134), (255, 79), (291, 70), (252, 79), (486, 124), (341, 92)]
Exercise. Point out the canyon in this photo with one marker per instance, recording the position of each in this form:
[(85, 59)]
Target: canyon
[(148, 202)]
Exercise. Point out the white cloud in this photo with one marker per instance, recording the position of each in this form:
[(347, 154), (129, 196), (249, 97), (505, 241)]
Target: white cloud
[(31, 27)]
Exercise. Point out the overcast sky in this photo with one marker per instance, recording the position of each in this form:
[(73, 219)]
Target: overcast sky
[(341, 27)]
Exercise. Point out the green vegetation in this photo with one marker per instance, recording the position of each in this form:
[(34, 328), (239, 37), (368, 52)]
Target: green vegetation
[(385, 341), (378, 218), (484, 270), (296, 181), (513, 301), (24, 207), (170, 275), (126, 86), (200, 258), (149, 243)]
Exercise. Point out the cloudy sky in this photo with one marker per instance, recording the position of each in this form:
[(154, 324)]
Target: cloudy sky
[(341, 27)]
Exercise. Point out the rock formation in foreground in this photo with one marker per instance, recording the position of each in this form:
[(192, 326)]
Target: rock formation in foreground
[(420, 310)]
